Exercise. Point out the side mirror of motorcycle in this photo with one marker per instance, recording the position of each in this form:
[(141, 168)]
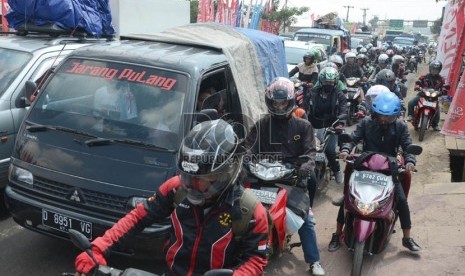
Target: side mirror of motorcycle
[(414, 149), (219, 272), (79, 240), (345, 138), (447, 86)]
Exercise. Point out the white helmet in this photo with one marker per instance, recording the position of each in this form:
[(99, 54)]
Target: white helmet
[(336, 59), (350, 55), (397, 57), (374, 91), (383, 58)]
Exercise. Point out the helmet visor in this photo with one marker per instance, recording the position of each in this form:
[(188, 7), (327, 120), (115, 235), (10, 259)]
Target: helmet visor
[(201, 188), (384, 119)]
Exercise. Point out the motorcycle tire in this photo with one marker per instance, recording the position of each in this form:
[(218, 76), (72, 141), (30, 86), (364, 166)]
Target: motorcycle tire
[(357, 261), (422, 129), (3, 209), (350, 118)]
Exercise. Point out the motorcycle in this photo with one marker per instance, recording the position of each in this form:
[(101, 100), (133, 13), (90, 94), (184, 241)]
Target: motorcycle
[(81, 242), (421, 57), (370, 203), (353, 87), (425, 110), (273, 182), (412, 64)]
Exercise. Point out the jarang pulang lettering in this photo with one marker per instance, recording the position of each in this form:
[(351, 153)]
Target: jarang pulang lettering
[(97, 71), (143, 77)]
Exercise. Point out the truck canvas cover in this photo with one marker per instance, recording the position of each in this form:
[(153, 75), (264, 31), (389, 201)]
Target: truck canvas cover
[(255, 57), (90, 16)]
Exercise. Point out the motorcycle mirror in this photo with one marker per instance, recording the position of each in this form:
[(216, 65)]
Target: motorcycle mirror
[(447, 86), (219, 272), (79, 240), (345, 138), (414, 149)]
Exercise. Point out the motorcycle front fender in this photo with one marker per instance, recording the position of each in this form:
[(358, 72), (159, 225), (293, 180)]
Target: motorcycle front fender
[(363, 229)]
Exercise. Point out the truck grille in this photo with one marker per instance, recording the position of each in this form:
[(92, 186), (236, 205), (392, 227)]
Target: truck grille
[(92, 198)]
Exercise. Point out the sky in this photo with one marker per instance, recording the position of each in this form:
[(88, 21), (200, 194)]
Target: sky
[(384, 9)]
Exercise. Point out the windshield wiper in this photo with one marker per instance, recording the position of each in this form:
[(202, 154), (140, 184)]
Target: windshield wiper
[(105, 141), (41, 128)]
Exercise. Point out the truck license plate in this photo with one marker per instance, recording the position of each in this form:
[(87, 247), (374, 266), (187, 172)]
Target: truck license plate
[(64, 223)]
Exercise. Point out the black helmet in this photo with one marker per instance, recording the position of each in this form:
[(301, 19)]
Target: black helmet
[(387, 78), (310, 55), (436, 65), (208, 162), (280, 97)]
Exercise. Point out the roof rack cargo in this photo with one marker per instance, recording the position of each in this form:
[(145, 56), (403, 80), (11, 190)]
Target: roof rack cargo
[(53, 30)]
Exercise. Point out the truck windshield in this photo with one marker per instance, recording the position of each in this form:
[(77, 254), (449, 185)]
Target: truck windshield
[(114, 101), (12, 62), (315, 38)]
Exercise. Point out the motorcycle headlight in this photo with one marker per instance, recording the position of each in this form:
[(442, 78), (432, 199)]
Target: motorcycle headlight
[(134, 201), (427, 93), (17, 174), (366, 208), (434, 94), (268, 173)]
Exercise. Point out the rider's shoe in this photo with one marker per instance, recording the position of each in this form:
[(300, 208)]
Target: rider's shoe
[(338, 177), (338, 202), (410, 244), (334, 244), (436, 128), (317, 269)]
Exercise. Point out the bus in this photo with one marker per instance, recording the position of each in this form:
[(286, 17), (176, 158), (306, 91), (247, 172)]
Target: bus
[(390, 34)]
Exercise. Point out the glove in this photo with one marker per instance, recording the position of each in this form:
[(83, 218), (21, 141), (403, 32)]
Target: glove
[(359, 114), (343, 155), (410, 167), (84, 263), (303, 173)]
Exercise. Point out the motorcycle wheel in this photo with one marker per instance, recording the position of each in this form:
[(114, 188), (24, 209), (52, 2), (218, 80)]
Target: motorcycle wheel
[(3, 209), (357, 261), (424, 123), (350, 120)]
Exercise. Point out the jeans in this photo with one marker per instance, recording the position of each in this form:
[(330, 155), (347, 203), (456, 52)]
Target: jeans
[(411, 106), (311, 186), (330, 150), (309, 244)]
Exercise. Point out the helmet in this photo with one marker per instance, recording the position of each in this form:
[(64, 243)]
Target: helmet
[(207, 161), (373, 92), (383, 58), (387, 78), (397, 58), (369, 46), (385, 108), (331, 64), (337, 60), (390, 52), (362, 57), (328, 76), (349, 55), (280, 97), (310, 55), (359, 47), (435, 65), (363, 50)]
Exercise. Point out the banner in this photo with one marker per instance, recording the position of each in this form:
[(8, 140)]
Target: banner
[(454, 125), (451, 44)]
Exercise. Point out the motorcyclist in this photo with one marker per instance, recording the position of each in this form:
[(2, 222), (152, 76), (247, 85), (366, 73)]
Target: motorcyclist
[(398, 67), (382, 64), (308, 69), (351, 68), (430, 80), (382, 132), (208, 163), (340, 84), (279, 135), (387, 78), (326, 104)]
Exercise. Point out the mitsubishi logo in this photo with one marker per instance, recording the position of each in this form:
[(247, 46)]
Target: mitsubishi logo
[(76, 196)]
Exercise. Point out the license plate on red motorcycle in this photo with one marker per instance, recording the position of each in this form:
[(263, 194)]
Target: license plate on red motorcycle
[(64, 223), (267, 196), (320, 157), (372, 178), (430, 104)]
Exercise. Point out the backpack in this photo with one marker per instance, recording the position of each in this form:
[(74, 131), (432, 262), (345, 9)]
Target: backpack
[(247, 204)]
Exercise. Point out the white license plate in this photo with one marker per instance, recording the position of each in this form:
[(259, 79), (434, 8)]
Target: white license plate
[(430, 104), (64, 223), (267, 197), (320, 157)]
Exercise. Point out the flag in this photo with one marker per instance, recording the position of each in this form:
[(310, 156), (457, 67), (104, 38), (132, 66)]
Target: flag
[(201, 16), (454, 125), (239, 14)]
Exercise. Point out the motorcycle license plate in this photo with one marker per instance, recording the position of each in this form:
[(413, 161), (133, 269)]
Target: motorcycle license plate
[(430, 104), (266, 195), (371, 178), (320, 157), (64, 223)]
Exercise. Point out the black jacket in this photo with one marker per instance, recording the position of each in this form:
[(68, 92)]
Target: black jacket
[(381, 139), (322, 112), (283, 140)]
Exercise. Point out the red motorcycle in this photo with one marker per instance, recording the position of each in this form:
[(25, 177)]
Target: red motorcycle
[(425, 110), (370, 202), (273, 182)]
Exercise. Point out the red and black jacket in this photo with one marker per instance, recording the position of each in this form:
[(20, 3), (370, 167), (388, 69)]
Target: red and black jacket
[(201, 240), (430, 81)]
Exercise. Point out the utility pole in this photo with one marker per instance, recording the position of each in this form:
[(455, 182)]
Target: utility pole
[(284, 23), (364, 16), (347, 16)]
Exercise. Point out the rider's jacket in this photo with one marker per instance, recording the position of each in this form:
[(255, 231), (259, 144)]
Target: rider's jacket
[(378, 138), (430, 81), (307, 73), (351, 70), (282, 138), (324, 108), (201, 239)]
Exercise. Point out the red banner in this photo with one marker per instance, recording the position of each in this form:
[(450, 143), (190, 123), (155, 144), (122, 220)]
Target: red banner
[(5, 8), (451, 44), (454, 125)]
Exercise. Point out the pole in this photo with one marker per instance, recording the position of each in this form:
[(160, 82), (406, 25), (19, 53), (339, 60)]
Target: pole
[(347, 16), (284, 22), (364, 16)]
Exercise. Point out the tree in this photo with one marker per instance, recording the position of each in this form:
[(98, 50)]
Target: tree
[(286, 15), (194, 10), (436, 28)]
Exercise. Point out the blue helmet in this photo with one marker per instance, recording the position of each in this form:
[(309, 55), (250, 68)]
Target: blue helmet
[(386, 103)]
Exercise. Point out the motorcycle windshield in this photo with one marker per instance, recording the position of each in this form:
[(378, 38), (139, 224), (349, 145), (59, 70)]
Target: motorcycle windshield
[(367, 186)]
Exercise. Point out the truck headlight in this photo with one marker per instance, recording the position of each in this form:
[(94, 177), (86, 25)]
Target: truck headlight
[(20, 175)]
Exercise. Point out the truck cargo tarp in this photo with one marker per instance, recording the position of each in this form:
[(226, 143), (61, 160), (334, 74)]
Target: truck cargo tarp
[(91, 16), (255, 57)]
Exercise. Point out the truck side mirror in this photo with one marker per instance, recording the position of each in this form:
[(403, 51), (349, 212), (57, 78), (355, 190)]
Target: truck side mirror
[(30, 87)]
